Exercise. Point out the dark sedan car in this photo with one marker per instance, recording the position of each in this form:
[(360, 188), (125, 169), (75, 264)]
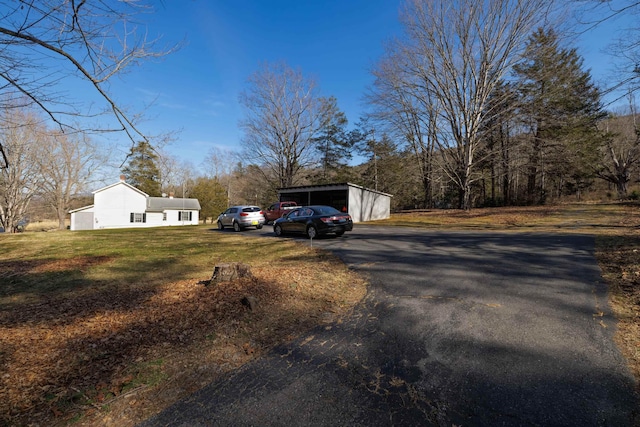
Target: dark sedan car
[(313, 221)]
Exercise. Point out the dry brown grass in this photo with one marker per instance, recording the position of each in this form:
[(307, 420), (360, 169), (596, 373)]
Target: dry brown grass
[(43, 225), (619, 259), (595, 219), (115, 343)]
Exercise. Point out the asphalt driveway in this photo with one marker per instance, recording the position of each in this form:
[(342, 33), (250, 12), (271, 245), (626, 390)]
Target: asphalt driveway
[(461, 329)]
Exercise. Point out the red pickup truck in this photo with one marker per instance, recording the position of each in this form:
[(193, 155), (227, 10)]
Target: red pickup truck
[(278, 209)]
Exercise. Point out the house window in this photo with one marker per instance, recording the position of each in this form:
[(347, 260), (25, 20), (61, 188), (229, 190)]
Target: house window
[(137, 217), (184, 216), (164, 216)]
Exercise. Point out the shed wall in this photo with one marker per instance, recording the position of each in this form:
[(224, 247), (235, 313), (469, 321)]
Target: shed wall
[(365, 205), (82, 220)]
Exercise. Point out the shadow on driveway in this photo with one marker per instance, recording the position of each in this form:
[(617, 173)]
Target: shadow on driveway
[(457, 329)]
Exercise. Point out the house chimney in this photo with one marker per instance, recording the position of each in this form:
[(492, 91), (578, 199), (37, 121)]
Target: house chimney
[(171, 195), (122, 178)]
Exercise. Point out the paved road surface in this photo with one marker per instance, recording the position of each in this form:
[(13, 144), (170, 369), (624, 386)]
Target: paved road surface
[(468, 329)]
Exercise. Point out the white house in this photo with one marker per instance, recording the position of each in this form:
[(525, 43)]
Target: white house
[(121, 205)]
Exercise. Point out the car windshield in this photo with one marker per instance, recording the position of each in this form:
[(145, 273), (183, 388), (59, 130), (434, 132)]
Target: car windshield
[(327, 210), (251, 209)]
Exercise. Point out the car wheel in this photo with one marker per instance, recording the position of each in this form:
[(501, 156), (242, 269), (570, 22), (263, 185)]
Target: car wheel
[(259, 226), (237, 227), (312, 232), (220, 226), (339, 233), (277, 230)]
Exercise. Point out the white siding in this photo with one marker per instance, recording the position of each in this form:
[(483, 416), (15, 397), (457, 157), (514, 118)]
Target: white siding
[(365, 205), (114, 205), (82, 220), (172, 218), (154, 219)]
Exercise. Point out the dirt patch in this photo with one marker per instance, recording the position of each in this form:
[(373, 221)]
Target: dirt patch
[(116, 355)]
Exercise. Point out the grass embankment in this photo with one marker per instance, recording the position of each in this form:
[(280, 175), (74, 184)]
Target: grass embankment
[(616, 228), (107, 327)]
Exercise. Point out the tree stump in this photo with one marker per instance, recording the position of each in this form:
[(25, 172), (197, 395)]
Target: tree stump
[(230, 271), (250, 301)]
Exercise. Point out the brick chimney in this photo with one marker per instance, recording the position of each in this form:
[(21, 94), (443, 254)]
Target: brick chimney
[(122, 178), (171, 194)]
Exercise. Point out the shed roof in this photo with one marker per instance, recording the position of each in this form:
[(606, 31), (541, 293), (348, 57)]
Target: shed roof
[(328, 187), (84, 208)]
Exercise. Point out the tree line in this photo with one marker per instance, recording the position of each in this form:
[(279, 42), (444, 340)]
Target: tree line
[(475, 104)]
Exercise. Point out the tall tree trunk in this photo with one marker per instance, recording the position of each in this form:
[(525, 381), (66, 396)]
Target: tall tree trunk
[(533, 187), (622, 188)]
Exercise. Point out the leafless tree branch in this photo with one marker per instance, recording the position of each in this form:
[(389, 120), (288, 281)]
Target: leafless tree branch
[(283, 115), (46, 42)]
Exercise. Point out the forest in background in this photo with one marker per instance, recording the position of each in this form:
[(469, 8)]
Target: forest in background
[(473, 107)]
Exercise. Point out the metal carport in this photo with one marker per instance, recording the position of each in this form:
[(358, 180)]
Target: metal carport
[(363, 204)]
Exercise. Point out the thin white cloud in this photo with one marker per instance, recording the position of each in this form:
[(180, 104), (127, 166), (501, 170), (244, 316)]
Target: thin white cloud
[(173, 106), (160, 99)]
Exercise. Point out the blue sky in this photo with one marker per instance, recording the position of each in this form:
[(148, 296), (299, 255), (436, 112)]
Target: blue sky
[(196, 88), (337, 42)]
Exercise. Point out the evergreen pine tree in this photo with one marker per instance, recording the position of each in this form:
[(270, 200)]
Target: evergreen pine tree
[(212, 197), (141, 170), (333, 143), (560, 107)]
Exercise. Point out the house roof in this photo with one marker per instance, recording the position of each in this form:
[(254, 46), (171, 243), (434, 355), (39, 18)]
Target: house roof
[(159, 204), (154, 204), (84, 208), (121, 183)]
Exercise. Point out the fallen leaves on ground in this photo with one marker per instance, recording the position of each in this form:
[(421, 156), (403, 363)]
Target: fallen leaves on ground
[(115, 355)]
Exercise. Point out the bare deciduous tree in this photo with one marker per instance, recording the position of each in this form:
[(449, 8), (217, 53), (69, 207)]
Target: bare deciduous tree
[(67, 166), (22, 139), (454, 55), (47, 42), (625, 43), (219, 163), (621, 149), (406, 116), (283, 115)]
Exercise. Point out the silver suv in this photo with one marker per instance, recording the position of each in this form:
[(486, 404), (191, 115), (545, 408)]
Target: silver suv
[(241, 217)]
